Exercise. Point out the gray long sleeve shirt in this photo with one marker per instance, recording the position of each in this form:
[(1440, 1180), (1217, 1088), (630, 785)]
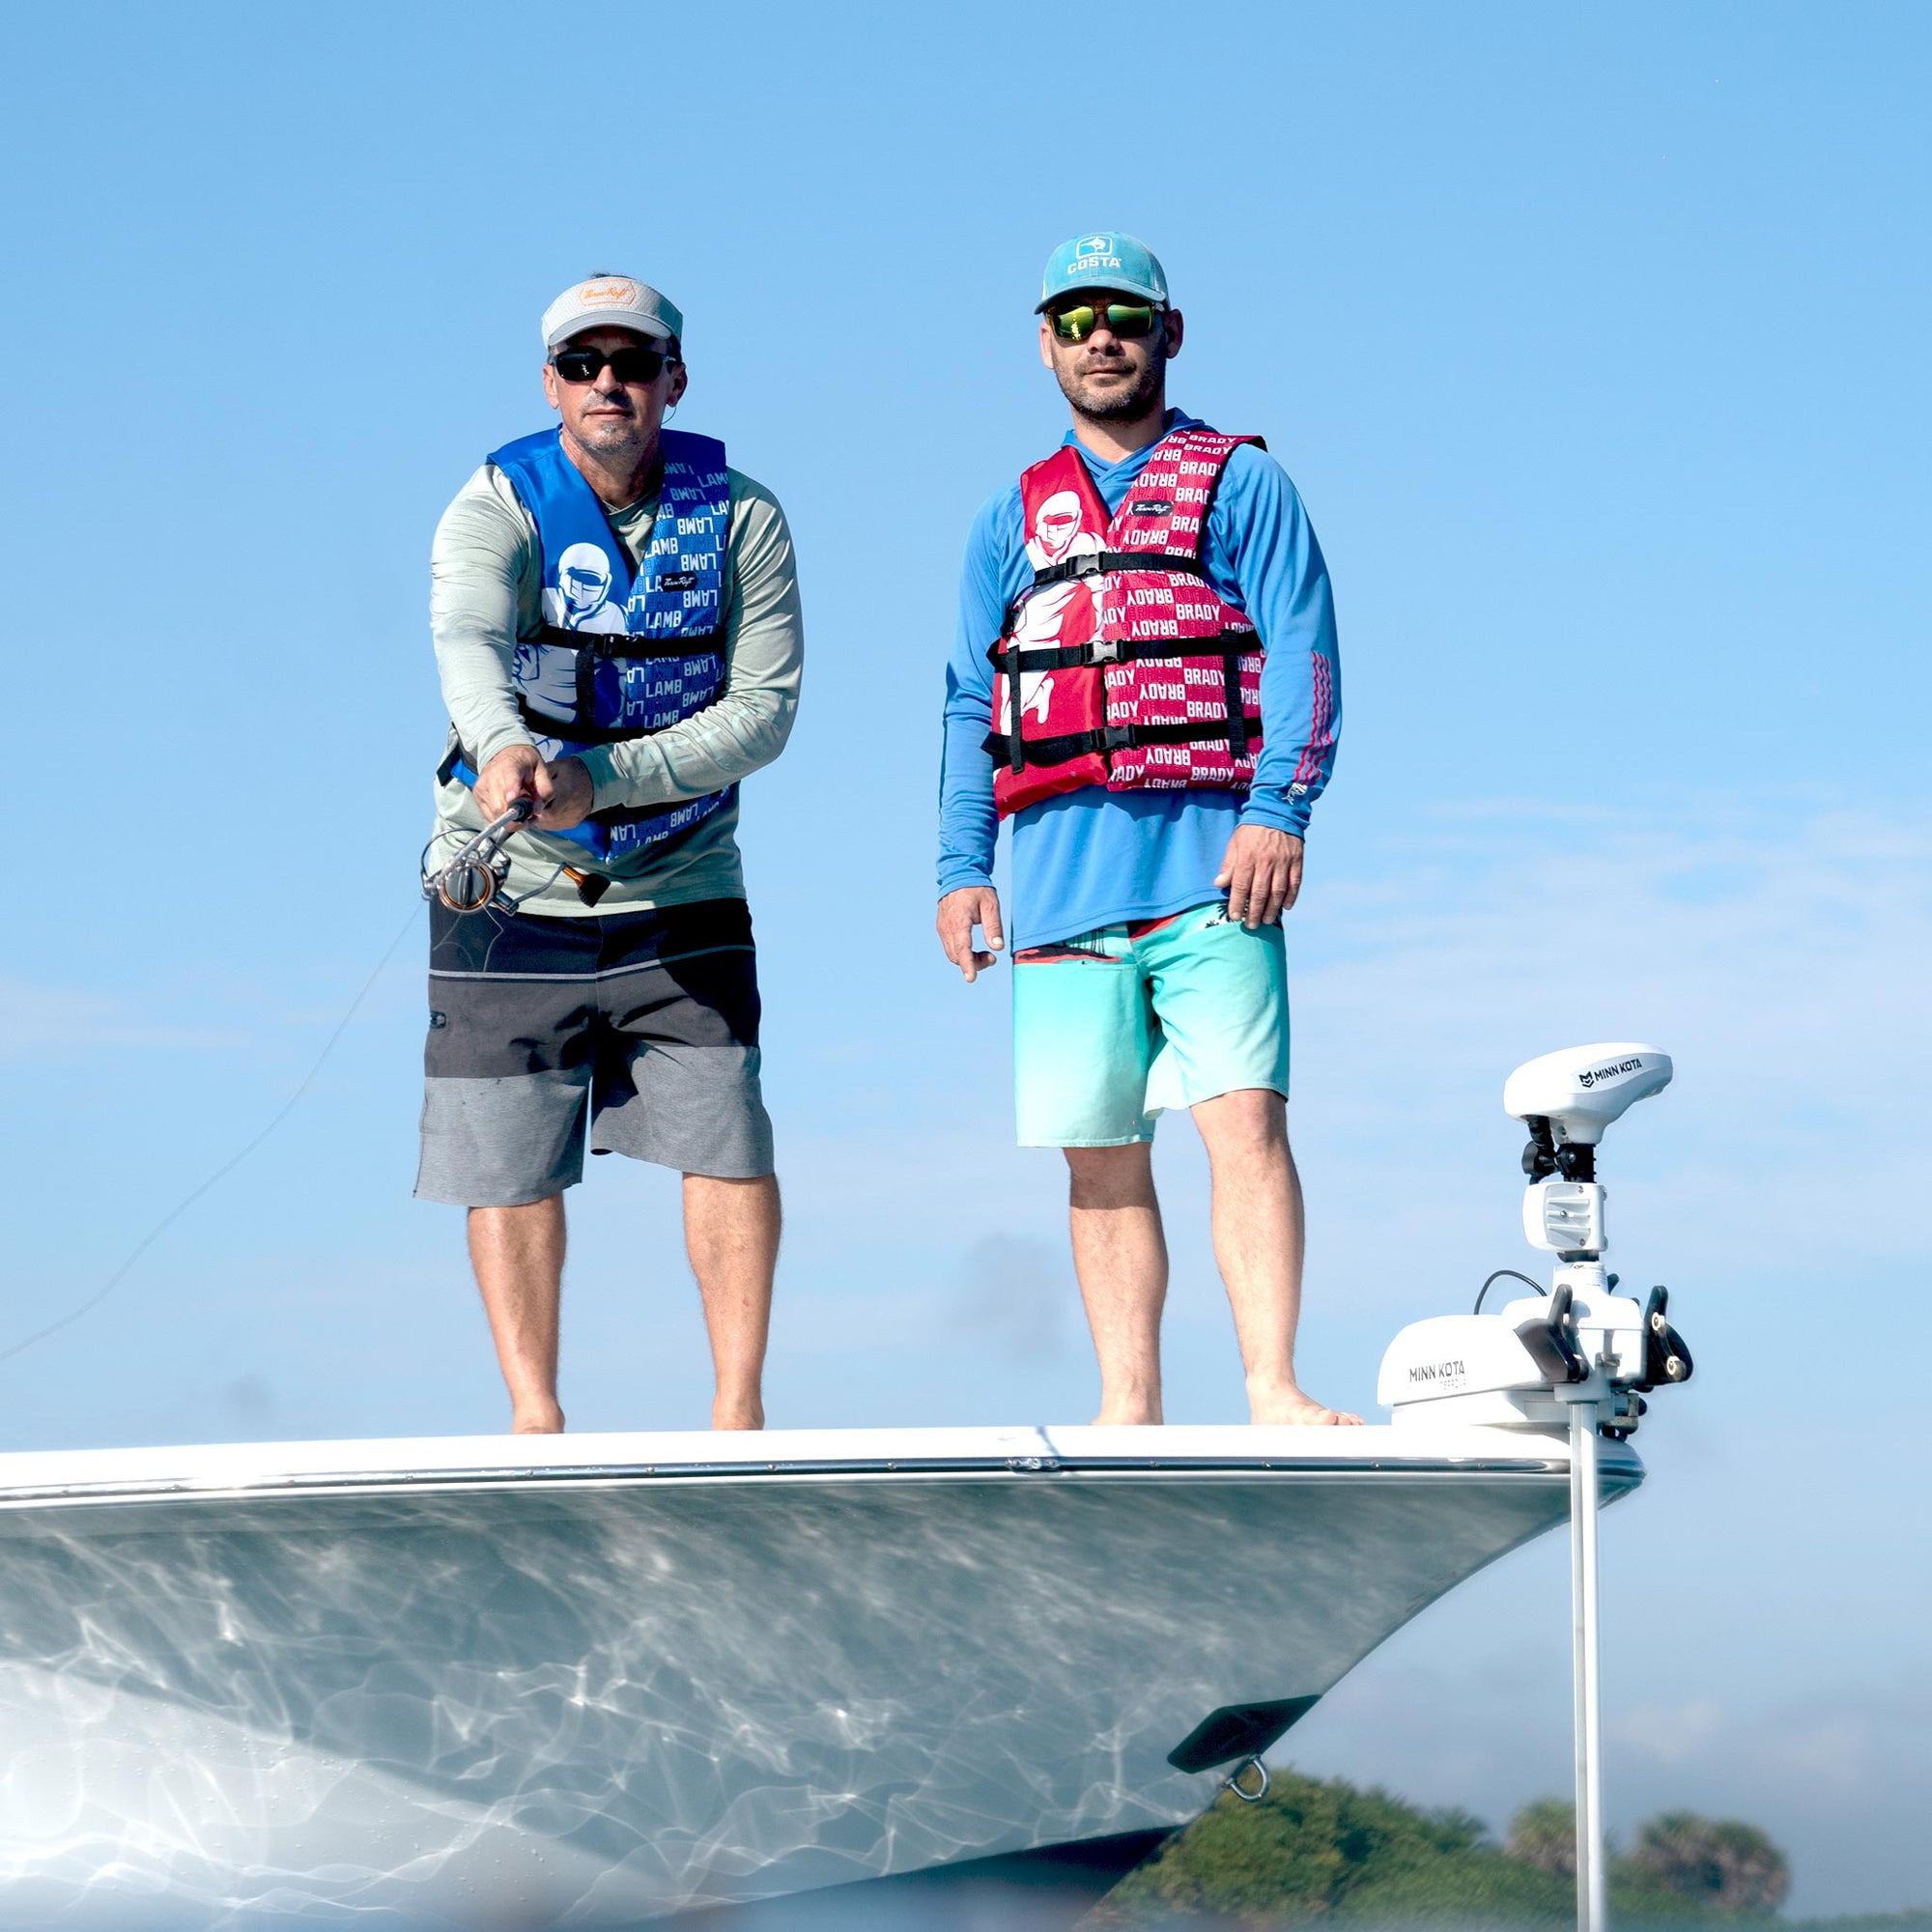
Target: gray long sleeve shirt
[(485, 584)]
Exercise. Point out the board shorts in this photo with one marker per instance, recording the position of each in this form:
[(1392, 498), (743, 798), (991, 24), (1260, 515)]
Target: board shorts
[(643, 1026), (1113, 1026)]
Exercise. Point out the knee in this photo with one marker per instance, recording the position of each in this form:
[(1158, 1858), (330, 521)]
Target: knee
[(1112, 1177), (1249, 1124)]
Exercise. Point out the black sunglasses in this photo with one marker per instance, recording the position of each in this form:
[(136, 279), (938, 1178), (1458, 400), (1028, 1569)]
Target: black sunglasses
[(1130, 321), (628, 365)]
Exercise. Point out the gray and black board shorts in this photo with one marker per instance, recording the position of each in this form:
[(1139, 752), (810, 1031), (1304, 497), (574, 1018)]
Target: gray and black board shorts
[(643, 1024)]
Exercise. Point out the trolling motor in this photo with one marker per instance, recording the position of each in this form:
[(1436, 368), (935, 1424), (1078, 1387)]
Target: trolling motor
[(1580, 1344), (1581, 1357), (476, 877)]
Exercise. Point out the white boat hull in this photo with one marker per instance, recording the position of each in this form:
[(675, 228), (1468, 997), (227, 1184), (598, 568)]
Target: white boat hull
[(599, 1680)]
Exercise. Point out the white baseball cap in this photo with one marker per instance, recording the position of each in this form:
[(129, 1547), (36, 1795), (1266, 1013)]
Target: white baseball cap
[(611, 301)]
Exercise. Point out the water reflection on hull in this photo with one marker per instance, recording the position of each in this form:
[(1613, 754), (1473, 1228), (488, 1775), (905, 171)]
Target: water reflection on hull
[(628, 1676)]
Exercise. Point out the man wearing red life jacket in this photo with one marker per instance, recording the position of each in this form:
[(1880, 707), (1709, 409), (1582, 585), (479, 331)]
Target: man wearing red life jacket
[(1145, 686)]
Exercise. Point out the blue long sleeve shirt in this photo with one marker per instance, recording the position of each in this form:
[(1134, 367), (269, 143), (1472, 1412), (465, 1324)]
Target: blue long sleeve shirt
[(1093, 857)]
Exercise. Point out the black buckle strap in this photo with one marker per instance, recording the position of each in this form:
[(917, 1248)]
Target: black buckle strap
[(545, 725), (1097, 562), (1196, 731), (621, 644), (1231, 687), (1016, 738), (1123, 737), (1125, 650)]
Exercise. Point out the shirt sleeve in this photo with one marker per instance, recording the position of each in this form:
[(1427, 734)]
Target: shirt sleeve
[(968, 824), (484, 547), (764, 660), (1277, 566)]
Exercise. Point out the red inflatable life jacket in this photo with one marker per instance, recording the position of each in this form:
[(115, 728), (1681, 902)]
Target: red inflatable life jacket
[(1132, 671)]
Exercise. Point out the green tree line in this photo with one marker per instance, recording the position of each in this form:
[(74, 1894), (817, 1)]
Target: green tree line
[(1317, 1849)]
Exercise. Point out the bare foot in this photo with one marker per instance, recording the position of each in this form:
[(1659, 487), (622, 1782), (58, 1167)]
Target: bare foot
[(745, 1413), (1128, 1415), (1288, 1404), (544, 1420)]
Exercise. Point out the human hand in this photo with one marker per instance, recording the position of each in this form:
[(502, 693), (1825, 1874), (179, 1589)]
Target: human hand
[(571, 795), (1261, 871), (959, 912), (516, 772)]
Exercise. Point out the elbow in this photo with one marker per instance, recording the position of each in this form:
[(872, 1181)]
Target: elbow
[(784, 714), (759, 728), (771, 731)]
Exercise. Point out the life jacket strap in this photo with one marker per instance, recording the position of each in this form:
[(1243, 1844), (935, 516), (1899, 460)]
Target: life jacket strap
[(544, 726), (1231, 688), (1122, 738), (1222, 644), (459, 764), (1099, 562), (620, 645)]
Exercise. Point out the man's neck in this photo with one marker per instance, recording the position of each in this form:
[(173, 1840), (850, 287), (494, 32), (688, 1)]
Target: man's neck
[(1112, 441), (616, 484)]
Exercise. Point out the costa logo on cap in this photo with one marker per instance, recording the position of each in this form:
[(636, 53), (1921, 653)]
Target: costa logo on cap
[(1094, 244), (608, 291)]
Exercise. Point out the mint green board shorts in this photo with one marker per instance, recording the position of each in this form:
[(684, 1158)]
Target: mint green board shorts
[(1117, 1025)]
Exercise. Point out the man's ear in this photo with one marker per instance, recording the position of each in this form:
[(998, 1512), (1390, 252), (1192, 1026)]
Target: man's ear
[(1176, 328), (550, 395), (1045, 343), (680, 381)]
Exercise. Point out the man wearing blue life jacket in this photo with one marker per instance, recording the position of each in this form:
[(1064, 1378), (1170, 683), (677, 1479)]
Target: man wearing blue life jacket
[(616, 622), (1144, 683)]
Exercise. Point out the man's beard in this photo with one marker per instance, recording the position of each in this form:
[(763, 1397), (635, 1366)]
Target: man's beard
[(611, 436), (1121, 406)]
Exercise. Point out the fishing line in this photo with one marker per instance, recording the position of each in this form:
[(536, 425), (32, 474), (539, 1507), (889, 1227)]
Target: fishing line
[(222, 1172)]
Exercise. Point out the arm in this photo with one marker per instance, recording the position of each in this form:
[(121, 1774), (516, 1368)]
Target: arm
[(968, 824), (1283, 580), (764, 654), (1278, 569), (484, 545)]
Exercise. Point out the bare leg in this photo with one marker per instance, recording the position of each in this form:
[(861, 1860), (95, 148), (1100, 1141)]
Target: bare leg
[(732, 1234), (1257, 1242), (1120, 1254), (518, 1255)]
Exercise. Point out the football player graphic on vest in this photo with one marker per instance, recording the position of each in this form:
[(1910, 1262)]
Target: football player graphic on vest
[(583, 600), (1042, 619), (1056, 531), (545, 679)]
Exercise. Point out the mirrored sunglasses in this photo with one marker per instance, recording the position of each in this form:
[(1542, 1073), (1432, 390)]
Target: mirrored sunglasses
[(1130, 321)]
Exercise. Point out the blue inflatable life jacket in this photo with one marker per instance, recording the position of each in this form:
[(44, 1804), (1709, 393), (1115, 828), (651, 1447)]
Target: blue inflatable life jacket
[(621, 653)]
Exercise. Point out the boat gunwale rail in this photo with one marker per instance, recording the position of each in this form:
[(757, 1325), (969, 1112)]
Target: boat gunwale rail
[(514, 1478)]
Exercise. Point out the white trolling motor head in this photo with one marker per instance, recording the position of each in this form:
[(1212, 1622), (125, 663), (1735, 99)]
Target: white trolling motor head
[(1568, 1099), (1526, 1365)]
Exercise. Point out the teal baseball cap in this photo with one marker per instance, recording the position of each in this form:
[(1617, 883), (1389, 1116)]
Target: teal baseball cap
[(1103, 261)]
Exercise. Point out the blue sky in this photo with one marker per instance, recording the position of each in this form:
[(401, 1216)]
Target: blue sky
[(1594, 341)]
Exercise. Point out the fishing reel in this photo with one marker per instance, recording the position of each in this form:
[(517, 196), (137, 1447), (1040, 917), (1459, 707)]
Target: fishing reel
[(476, 877)]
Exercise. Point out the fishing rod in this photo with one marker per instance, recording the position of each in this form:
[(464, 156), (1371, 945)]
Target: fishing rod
[(472, 879)]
